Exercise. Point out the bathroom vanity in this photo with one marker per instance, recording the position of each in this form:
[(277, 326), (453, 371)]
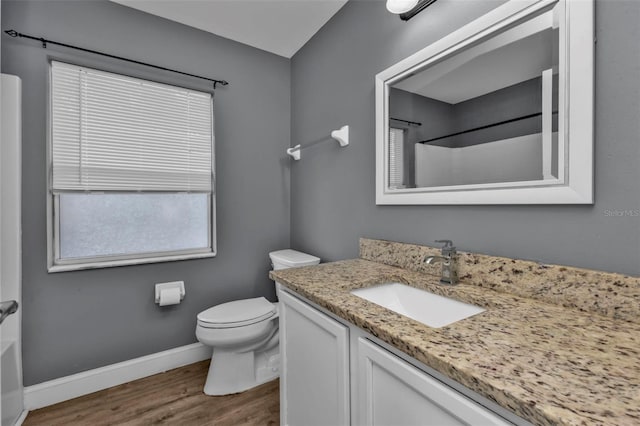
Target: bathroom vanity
[(555, 345), (337, 374)]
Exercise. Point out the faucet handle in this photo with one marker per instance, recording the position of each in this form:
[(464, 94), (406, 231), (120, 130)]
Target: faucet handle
[(448, 249), (448, 244)]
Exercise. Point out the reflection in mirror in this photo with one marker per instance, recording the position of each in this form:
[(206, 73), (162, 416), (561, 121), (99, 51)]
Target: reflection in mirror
[(487, 114)]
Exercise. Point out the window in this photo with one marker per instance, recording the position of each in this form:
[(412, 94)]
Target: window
[(396, 158), (131, 176)]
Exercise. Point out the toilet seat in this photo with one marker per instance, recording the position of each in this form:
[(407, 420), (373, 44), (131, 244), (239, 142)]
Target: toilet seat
[(238, 313)]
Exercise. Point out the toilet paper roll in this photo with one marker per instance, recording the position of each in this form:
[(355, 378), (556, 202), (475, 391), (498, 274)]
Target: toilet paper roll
[(169, 296)]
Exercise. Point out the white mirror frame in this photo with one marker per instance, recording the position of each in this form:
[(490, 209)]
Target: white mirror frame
[(576, 101)]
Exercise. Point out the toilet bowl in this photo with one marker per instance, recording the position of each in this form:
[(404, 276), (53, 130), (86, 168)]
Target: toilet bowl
[(244, 336)]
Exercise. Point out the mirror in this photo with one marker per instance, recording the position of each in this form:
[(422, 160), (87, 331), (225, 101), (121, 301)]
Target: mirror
[(485, 115)]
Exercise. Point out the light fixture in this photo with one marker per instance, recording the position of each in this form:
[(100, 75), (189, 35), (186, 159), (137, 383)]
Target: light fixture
[(401, 6), (407, 9)]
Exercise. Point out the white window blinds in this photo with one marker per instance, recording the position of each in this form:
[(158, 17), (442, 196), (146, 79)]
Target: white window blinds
[(396, 157), (116, 133)]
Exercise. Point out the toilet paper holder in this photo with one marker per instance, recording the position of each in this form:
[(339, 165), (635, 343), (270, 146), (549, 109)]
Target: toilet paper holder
[(169, 285)]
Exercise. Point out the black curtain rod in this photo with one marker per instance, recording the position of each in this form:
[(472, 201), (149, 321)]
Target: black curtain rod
[(524, 117), (14, 33), (415, 123), (422, 5)]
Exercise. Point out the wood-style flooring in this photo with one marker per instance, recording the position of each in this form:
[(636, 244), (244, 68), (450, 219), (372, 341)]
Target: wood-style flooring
[(171, 398)]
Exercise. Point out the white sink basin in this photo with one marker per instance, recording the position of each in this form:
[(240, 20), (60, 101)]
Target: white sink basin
[(420, 305)]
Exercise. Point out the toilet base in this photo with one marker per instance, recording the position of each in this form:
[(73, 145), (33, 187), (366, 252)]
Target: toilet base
[(233, 372)]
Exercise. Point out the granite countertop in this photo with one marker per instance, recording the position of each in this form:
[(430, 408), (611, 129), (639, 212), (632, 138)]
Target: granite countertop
[(547, 363)]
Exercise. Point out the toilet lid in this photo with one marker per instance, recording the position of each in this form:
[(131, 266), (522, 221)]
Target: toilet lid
[(238, 312)]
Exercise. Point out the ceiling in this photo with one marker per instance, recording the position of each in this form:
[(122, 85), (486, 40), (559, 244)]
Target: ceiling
[(478, 71), (278, 26)]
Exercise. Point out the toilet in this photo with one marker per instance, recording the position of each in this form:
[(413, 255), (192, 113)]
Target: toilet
[(244, 336)]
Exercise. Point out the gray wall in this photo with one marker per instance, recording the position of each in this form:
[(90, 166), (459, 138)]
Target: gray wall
[(510, 102), (333, 189), (441, 118), (436, 118), (86, 319)]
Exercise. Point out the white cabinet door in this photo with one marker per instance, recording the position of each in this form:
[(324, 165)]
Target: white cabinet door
[(314, 349), (394, 392)]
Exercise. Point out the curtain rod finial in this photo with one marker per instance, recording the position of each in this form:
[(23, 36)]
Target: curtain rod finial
[(12, 33)]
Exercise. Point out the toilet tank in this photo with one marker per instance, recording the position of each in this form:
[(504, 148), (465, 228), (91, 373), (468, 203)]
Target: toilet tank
[(288, 258)]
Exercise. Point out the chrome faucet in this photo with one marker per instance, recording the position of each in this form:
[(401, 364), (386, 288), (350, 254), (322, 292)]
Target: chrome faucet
[(449, 275)]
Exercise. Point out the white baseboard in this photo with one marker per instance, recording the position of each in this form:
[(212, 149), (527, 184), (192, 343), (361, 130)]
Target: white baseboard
[(21, 418), (69, 387)]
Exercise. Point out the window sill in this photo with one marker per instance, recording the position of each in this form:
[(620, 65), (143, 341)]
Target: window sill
[(125, 262)]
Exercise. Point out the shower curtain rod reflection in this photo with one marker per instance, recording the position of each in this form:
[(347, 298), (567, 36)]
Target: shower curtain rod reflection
[(44, 41), (415, 123), (475, 129)]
